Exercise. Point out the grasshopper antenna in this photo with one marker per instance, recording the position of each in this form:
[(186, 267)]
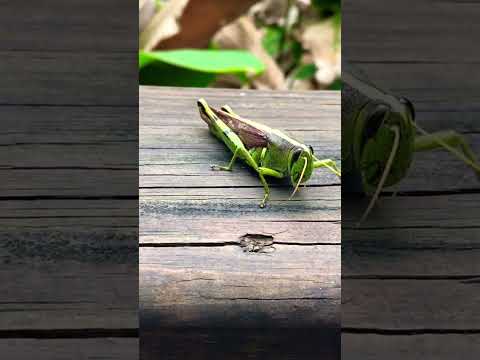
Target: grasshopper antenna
[(305, 161), (388, 166)]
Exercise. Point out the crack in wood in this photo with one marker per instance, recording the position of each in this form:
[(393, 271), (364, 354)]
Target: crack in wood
[(69, 333), (407, 332)]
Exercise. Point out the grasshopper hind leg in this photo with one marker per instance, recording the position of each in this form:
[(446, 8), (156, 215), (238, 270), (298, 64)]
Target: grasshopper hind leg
[(230, 164)]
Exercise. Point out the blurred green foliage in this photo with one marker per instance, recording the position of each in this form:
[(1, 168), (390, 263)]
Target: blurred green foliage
[(200, 68), (306, 71), (287, 50)]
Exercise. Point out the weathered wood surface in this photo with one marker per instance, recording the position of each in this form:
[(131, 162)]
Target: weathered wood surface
[(61, 349), (207, 288), (256, 343), (417, 346), (410, 273), (69, 193)]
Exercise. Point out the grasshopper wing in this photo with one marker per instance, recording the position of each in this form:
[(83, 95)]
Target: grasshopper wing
[(252, 136)]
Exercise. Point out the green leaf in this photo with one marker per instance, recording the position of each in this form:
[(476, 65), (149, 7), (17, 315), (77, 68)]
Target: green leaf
[(144, 60), (305, 71), (162, 74), (197, 68), (336, 85), (272, 40), (209, 61), (327, 7)]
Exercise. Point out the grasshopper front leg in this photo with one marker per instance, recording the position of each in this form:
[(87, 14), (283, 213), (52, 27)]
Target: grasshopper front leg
[(451, 141), (262, 171), (329, 164)]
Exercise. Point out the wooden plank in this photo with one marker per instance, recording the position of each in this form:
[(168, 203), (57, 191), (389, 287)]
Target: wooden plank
[(68, 279), (86, 125), (407, 304), (432, 87), (454, 211), (163, 107), (70, 27), (281, 286), (204, 344), (69, 182), (17, 214), (409, 346), (314, 204), (69, 260), (232, 231), (111, 156), (57, 349), (68, 78), (427, 253), (437, 31)]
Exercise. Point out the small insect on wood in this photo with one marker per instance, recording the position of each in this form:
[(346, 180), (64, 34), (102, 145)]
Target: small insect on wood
[(379, 137), (268, 151)]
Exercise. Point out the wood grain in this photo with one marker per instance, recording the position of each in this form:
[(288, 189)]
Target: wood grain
[(119, 348), (67, 78), (437, 31), (237, 344), (211, 262), (408, 346), (61, 27)]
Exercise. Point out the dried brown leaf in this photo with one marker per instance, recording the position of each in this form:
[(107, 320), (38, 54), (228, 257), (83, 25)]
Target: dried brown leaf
[(146, 10), (242, 34), (163, 25), (319, 39), (270, 11)]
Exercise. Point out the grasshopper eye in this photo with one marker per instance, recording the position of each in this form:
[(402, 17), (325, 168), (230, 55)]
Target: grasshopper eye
[(409, 105), (295, 156), (311, 149), (375, 120)]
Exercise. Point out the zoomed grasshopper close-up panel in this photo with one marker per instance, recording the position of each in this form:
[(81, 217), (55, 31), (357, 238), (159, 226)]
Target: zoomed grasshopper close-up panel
[(269, 152), (380, 138)]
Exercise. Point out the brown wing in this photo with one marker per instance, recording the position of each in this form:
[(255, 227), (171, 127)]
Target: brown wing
[(251, 136)]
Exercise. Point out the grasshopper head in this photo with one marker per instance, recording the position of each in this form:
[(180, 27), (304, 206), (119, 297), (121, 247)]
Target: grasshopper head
[(206, 113), (375, 137), (300, 165)]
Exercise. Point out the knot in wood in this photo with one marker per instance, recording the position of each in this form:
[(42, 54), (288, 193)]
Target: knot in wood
[(257, 243)]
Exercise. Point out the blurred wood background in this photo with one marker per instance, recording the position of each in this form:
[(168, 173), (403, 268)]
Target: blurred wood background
[(68, 165), (210, 287)]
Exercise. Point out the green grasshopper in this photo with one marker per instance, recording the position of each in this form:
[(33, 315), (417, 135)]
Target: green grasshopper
[(379, 137), (268, 151)]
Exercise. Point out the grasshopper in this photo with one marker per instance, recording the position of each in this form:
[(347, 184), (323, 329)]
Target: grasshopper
[(268, 151), (380, 137)]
